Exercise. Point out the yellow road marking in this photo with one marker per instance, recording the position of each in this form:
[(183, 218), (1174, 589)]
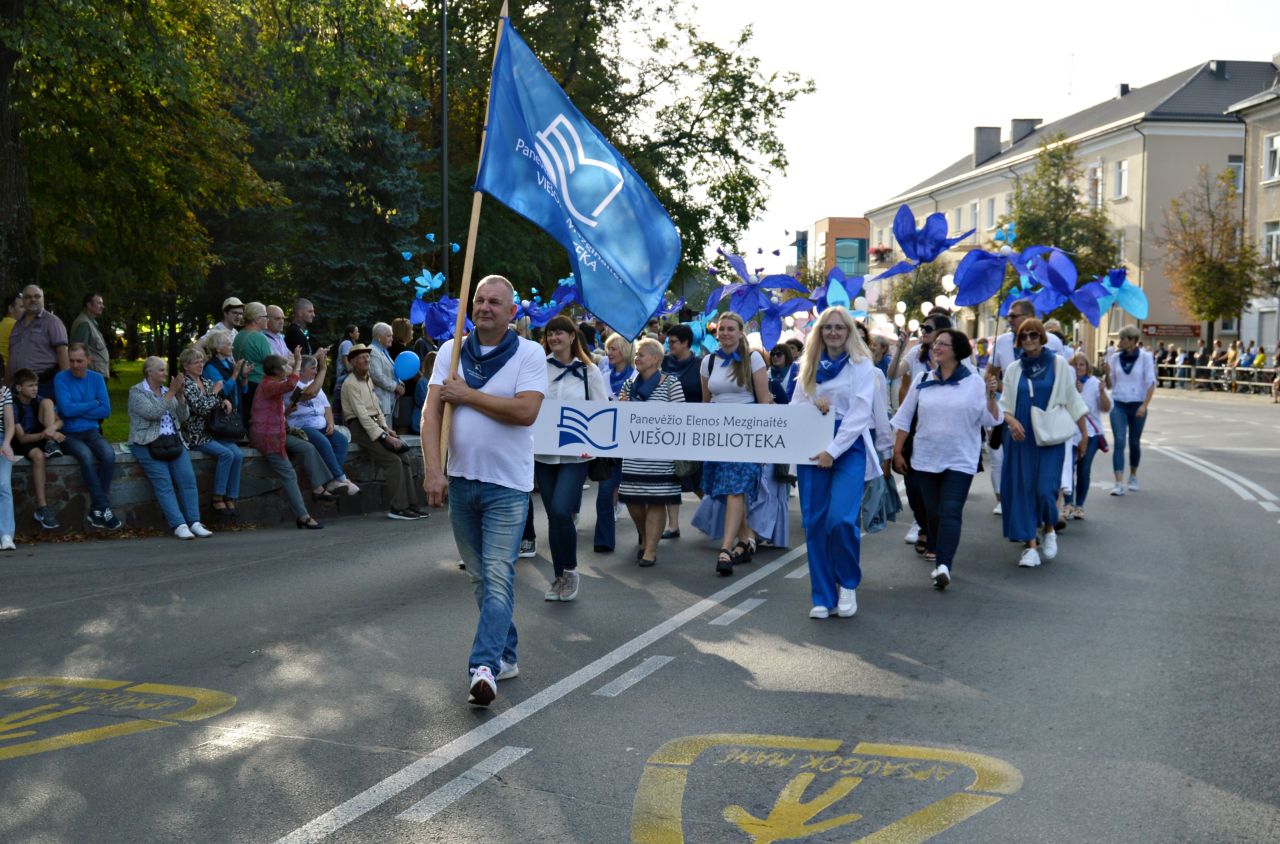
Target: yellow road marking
[(63, 697)]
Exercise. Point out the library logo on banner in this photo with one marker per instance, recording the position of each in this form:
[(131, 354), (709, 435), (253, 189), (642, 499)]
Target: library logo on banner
[(560, 148), (598, 430)]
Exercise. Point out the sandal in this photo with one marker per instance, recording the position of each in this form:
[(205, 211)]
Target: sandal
[(743, 551), (219, 503), (921, 545), (724, 563)]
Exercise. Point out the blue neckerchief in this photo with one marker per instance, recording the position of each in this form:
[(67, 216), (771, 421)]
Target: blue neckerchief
[(642, 389), (828, 368), (575, 367), (1033, 369), (671, 366), (962, 372), (1127, 360), (728, 358), (617, 379), (478, 367)]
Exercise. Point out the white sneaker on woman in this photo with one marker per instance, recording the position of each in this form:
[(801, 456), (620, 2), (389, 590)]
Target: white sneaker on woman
[(1133, 483), (913, 535), (7, 543), (1030, 559), (1049, 546), (200, 530), (941, 576), (819, 612), (848, 603), (183, 532), (1118, 489)]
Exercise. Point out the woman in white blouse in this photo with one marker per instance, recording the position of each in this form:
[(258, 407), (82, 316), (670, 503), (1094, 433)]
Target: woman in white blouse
[(571, 374), (733, 375), (950, 405), (1131, 375), (836, 375), (1095, 398)]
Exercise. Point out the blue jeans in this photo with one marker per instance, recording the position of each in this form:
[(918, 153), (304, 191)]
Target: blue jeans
[(1084, 470), (97, 461), (7, 524), (943, 495), (332, 449), (605, 535), (1126, 425), (174, 483), (560, 485), (226, 475), (487, 521)]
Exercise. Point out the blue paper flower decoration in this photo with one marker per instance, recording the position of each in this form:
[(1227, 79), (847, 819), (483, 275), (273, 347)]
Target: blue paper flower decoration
[(747, 297), (1096, 297), (921, 246)]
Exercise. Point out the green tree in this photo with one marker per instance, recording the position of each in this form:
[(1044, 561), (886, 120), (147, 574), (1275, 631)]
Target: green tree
[(1213, 264), (1049, 209), (923, 284), (19, 249)]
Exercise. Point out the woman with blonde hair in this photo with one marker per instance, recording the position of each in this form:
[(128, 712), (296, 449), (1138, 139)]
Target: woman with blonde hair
[(618, 371), (733, 375), (836, 375)]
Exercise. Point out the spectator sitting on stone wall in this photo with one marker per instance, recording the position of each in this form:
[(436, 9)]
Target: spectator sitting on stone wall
[(37, 434), (308, 410), (82, 402)]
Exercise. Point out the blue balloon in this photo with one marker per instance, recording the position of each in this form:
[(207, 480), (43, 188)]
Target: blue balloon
[(407, 365)]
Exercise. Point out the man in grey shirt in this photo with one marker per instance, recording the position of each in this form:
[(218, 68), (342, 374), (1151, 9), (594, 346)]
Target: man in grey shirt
[(85, 330), (38, 342)]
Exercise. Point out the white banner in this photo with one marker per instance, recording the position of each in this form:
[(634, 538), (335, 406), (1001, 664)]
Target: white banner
[(743, 433)]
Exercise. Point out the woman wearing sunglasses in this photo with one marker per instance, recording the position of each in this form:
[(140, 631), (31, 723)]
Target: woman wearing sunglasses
[(1032, 473), (1131, 375), (916, 361)]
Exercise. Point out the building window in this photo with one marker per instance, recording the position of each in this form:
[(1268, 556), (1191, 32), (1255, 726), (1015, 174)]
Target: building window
[(957, 221), (991, 213), (974, 222), (879, 237), (1271, 241), (1122, 179), (1093, 186), (851, 255), (1270, 158), (1235, 163), (1120, 246), (1229, 326)]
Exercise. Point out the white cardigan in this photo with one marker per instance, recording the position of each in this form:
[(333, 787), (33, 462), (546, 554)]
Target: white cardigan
[(1064, 392)]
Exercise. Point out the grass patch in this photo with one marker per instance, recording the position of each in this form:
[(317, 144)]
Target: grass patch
[(126, 373)]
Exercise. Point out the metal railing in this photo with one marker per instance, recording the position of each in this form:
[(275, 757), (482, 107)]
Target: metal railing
[(1226, 379)]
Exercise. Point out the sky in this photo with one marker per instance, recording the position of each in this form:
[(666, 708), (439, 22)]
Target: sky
[(900, 86)]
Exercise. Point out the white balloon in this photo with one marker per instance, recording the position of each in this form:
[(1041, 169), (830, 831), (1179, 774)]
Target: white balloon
[(900, 320), (926, 307), (902, 307), (860, 304), (789, 322), (1006, 250), (948, 282), (914, 324), (873, 294), (940, 300)]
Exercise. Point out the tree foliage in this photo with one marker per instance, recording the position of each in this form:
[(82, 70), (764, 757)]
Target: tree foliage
[(1214, 266), (923, 284)]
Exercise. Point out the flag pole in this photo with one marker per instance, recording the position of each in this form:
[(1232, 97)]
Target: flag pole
[(468, 262)]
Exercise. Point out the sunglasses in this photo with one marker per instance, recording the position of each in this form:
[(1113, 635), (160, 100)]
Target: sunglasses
[(928, 329), (1029, 335)]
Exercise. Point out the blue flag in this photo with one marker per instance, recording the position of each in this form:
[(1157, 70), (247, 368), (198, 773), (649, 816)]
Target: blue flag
[(544, 160)]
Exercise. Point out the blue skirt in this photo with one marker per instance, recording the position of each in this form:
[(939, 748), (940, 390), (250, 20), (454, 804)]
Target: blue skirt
[(721, 479)]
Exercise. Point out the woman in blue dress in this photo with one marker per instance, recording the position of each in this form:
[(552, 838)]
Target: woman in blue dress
[(1032, 473)]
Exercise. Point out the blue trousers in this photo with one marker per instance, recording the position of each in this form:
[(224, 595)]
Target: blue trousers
[(174, 483), (1126, 425), (560, 485), (226, 474), (1084, 470), (943, 495), (332, 449), (97, 461), (488, 520), (830, 505), (7, 523), (605, 534)]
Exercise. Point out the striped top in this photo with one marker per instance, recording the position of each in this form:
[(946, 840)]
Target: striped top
[(651, 481), (6, 399)]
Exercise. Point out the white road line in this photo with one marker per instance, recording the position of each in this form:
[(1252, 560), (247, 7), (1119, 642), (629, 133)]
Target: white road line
[(635, 675), (727, 618), (1227, 482), (1270, 506), (1262, 493), (449, 793), (413, 773), (799, 571)]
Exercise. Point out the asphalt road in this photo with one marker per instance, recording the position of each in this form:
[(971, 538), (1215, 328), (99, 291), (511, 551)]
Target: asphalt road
[(310, 686)]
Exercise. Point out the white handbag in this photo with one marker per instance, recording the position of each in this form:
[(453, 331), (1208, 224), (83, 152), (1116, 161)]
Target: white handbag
[(1053, 425)]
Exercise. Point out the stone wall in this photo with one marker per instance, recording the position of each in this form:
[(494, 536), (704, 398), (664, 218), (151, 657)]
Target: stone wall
[(133, 501)]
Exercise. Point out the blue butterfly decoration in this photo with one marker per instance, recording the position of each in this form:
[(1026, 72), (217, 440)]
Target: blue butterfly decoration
[(1097, 297), (702, 339), (424, 283), (980, 274), (921, 246), (838, 289), (440, 317), (747, 297), (566, 294)]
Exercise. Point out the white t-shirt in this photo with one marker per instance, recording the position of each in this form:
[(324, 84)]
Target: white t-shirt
[(1091, 393), (1003, 355), (1133, 385), (724, 389), (481, 448), (309, 413)]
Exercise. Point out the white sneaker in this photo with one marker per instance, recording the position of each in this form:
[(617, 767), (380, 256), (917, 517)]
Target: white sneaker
[(913, 535), (999, 509), (848, 604), (352, 489), (1049, 546), (617, 512), (200, 530), (1118, 489), (1133, 483), (553, 591), (819, 612), (569, 586), (7, 543), (507, 670), (1030, 559), (183, 532), (483, 687), (941, 576)]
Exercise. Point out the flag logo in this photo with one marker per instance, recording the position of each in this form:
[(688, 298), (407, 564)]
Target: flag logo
[(597, 430), (560, 148)]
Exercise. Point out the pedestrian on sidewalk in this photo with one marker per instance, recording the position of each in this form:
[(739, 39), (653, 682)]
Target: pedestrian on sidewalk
[(496, 395), (571, 374)]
